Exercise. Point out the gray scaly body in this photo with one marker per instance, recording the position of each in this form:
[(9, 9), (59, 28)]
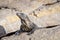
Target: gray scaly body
[(27, 25)]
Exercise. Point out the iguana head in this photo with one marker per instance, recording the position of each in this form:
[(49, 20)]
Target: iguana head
[(22, 16)]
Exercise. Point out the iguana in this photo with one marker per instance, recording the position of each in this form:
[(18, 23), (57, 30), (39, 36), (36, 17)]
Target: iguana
[(27, 25)]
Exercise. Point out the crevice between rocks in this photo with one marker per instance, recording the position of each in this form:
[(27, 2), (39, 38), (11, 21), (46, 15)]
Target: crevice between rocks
[(52, 3)]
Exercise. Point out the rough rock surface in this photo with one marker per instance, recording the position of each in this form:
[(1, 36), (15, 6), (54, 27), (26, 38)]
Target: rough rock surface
[(42, 12)]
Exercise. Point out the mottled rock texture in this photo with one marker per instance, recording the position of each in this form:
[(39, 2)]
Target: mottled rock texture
[(42, 12)]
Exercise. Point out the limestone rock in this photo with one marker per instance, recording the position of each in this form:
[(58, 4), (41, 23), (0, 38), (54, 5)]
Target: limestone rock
[(38, 12)]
